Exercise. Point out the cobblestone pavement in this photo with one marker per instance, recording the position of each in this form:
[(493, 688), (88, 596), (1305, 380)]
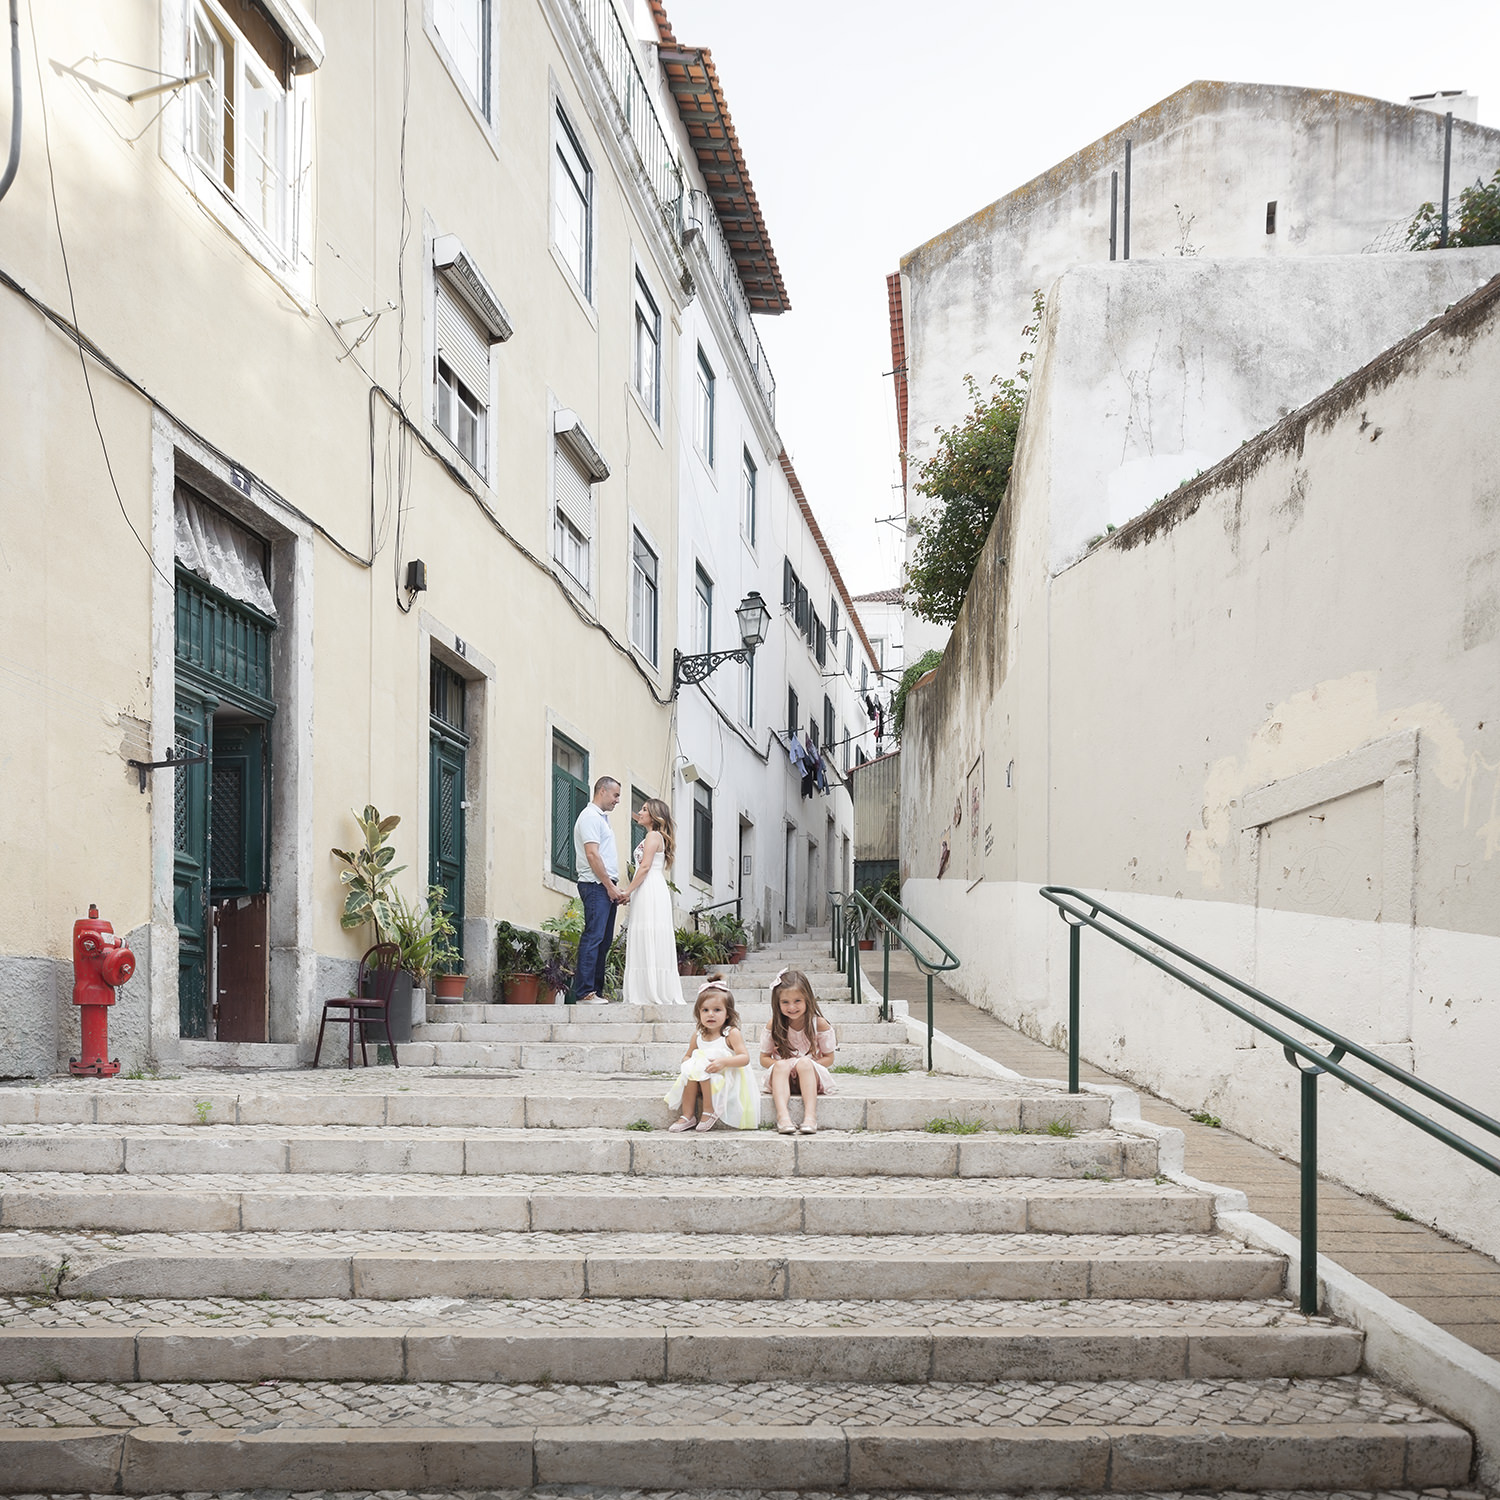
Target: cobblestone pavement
[(584, 1242), (640, 1312), (979, 1189), (592, 1492), (1024, 1403)]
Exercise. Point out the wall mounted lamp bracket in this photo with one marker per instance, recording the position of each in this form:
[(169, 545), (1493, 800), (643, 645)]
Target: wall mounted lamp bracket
[(142, 766)]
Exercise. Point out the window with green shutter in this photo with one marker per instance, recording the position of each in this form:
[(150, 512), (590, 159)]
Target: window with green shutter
[(570, 795)]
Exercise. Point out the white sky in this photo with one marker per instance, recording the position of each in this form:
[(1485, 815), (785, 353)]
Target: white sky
[(869, 126)]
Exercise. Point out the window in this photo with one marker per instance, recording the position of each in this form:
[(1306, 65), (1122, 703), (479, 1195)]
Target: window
[(833, 622), (791, 710), (849, 653), (864, 676), (644, 597), (570, 795), (747, 691), (877, 645), (703, 610), (747, 497), (703, 832), (819, 638), (462, 386), (237, 114), (573, 206), (464, 26), (829, 737), (703, 409), (573, 514), (647, 372), (637, 833)]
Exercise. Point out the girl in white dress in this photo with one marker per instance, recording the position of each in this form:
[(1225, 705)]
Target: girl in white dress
[(651, 944), (715, 1068)]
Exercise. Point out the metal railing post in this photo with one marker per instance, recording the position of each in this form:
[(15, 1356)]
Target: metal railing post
[(1309, 1288), (885, 976), (929, 1023), (1075, 930)]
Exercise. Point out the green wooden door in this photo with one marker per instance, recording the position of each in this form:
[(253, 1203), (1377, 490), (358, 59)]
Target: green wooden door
[(190, 861), (446, 781), (238, 801)]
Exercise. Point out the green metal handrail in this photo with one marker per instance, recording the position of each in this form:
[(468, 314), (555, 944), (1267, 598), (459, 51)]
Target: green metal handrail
[(1079, 911), (850, 914)]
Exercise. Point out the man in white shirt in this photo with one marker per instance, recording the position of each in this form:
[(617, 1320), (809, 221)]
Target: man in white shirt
[(598, 866)]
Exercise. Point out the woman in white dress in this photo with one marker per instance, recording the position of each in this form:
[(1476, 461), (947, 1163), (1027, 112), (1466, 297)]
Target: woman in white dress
[(651, 942)]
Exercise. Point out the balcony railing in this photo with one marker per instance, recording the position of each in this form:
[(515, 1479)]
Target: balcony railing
[(698, 211), (615, 52)]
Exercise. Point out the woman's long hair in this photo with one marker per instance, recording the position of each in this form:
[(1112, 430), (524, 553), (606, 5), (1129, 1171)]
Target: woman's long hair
[(716, 984), (793, 979), (661, 820)]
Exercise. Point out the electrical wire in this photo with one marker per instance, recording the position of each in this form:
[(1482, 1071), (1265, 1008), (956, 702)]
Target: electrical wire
[(83, 363)]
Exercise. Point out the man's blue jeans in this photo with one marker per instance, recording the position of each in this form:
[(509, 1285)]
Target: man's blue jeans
[(598, 933)]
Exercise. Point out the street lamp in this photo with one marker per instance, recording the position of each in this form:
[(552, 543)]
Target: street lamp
[(754, 620)]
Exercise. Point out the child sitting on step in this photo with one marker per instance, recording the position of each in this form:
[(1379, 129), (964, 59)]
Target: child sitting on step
[(715, 1073), (796, 1050)]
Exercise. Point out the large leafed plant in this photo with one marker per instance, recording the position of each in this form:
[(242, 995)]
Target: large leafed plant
[(369, 876)]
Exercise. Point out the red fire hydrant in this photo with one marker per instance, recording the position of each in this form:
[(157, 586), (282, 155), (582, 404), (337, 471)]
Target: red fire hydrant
[(101, 963)]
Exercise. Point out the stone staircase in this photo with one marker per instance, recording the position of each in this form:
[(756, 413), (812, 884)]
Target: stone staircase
[(472, 1276)]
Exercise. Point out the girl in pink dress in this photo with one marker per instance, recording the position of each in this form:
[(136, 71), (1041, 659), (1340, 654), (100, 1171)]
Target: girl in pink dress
[(796, 1051)]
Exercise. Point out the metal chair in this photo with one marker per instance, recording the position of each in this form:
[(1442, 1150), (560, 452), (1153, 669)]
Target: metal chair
[(377, 975)]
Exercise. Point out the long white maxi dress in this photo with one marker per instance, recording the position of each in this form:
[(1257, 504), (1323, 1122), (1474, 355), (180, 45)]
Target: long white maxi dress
[(651, 942)]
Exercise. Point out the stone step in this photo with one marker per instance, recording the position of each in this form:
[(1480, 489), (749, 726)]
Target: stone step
[(535, 1025), (384, 1097), (601, 1057), (721, 1205), (762, 1267), (1128, 1436), (181, 1352), (753, 1012), (451, 1151)]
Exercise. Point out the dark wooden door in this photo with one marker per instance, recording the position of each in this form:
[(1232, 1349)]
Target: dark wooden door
[(242, 933), (190, 862)]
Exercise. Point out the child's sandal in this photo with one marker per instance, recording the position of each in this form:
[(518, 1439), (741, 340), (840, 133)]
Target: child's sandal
[(682, 1122), (708, 1122)]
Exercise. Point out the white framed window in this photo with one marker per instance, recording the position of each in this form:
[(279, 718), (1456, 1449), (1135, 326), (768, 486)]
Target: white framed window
[(238, 125), (464, 29), (462, 383), (572, 205), (646, 360), (703, 610), (748, 477), (848, 653), (572, 515), (645, 597), (703, 409)]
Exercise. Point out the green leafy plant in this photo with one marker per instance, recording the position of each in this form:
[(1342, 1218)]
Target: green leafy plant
[(728, 933), (368, 880), (425, 935), (518, 950), (1204, 1118), (640, 1125), (968, 477), (1097, 1174), (1474, 220), (1402, 1215), (952, 1125), (697, 948), (909, 679), (1065, 1128), (203, 1109)]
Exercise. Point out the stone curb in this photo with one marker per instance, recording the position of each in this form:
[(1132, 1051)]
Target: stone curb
[(153, 1460), (160, 1355)]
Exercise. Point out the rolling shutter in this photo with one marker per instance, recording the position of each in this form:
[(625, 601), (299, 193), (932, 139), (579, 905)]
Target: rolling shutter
[(463, 345), (572, 492)]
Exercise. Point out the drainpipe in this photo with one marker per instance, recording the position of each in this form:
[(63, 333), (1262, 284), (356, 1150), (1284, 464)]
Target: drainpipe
[(15, 101)]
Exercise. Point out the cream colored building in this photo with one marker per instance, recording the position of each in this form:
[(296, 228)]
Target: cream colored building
[(357, 297)]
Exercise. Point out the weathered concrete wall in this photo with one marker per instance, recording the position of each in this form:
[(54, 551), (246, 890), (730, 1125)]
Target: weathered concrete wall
[(1342, 169), (1262, 720)]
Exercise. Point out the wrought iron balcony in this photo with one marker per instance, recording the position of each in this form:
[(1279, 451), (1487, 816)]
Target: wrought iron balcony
[(698, 213)]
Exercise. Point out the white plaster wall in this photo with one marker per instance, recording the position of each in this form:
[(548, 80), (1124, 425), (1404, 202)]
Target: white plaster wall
[(1261, 720), (1343, 170)]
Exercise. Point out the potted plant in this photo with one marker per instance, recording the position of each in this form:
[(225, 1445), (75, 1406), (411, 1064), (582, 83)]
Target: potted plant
[(695, 951), (370, 897), (731, 935), (412, 934), (519, 963)]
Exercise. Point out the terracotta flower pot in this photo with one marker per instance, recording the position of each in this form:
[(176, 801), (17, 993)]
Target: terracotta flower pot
[(737, 953), (867, 945), (684, 967), (448, 986), (522, 989)]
